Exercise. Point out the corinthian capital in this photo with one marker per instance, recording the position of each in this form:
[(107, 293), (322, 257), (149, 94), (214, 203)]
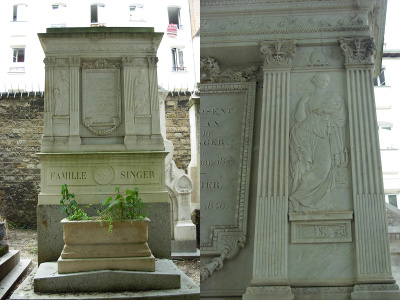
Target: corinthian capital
[(358, 50), (277, 52)]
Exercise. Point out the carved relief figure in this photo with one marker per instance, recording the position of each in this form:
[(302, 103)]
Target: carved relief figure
[(140, 93), (61, 94), (317, 149)]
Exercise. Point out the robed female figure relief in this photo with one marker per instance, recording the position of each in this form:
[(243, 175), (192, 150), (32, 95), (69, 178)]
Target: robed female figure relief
[(317, 148)]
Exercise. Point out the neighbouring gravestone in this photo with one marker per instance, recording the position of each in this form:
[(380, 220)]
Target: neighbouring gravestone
[(316, 210), (101, 127)]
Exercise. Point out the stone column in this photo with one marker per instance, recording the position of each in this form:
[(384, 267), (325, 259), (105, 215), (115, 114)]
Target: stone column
[(47, 140), (154, 106), (74, 79), (374, 275), (193, 169), (128, 79), (270, 277)]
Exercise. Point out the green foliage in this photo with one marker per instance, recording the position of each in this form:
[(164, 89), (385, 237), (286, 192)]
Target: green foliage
[(70, 206), (128, 207), (122, 208)]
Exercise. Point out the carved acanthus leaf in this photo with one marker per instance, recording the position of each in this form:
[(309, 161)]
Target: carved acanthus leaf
[(277, 52), (358, 50)]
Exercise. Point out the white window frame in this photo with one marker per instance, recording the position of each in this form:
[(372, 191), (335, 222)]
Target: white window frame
[(178, 59), (17, 66)]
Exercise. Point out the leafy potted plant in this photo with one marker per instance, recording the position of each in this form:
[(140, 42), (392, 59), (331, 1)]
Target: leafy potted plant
[(122, 245)]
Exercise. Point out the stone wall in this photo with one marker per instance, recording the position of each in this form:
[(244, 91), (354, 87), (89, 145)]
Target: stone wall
[(21, 123), (178, 128)]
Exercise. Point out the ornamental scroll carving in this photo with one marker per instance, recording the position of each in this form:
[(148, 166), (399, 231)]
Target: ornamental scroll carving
[(358, 50), (229, 106), (277, 52), (211, 72)]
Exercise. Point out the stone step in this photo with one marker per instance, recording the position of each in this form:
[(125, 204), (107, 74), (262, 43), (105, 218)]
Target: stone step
[(12, 277), (48, 280), (8, 262), (188, 289)]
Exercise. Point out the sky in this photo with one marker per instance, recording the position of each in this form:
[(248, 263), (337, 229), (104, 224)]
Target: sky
[(392, 36)]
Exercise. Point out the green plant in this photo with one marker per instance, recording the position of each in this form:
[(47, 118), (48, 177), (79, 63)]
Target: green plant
[(70, 206), (128, 207), (122, 208)]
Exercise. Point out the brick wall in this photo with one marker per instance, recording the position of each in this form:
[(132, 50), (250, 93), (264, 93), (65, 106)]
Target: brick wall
[(21, 127), (21, 123), (178, 128)]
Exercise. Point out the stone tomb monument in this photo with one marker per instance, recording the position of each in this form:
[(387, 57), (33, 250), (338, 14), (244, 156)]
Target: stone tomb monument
[(102, 127), (101, 131), (316, 220)]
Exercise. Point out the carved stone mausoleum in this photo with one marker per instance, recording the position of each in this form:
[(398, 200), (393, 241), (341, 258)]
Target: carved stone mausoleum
[(290, 159)]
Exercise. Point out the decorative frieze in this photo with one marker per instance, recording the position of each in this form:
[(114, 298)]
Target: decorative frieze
[(321, 232), (211, 72)]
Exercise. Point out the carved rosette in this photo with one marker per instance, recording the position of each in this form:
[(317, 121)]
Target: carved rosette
[(358, 50), (277, 53)]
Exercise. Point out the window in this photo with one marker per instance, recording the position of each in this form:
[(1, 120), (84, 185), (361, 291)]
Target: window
[(174, 16), (177, 60), (58, 17), (386, 138), (20, 12), (18, 59), (136, 12), (380, 80), (97, 15), (393, 200), (18, 55)]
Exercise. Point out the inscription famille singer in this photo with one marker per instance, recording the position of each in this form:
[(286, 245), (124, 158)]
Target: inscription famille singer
[(317, 152)]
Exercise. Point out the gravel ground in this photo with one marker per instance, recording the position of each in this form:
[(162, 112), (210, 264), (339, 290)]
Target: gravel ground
[(25, 241)]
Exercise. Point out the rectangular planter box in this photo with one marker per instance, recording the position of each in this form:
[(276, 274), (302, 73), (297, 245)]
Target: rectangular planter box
[(89, 246)]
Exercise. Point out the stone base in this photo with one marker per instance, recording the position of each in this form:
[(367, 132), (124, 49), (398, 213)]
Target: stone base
[(146, 264), (376, 292), (188, 290), (48, 280), (50, 232), (268, 293), (183, 246), (318, 293)]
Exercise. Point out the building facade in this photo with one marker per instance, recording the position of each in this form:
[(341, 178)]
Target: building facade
[(21, 55)]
